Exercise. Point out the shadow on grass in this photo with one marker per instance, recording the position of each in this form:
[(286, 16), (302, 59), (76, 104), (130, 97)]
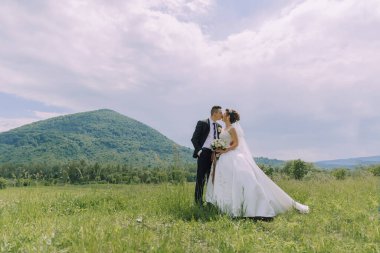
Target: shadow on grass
[(176, 203), (208, 213), (196, 212), (255, 219)]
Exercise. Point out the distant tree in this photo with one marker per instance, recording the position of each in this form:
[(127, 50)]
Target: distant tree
[(74, 172), (267, 169), (375, 170), (296, 169), (135, 180), (340, 174), (177, 176), (146, 176), (162, 176), (3, 183)]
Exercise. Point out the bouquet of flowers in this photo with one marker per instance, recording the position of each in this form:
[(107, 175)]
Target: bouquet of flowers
[(215, 145), (218, 144)]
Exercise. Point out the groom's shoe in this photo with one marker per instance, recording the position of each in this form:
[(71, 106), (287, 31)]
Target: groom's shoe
[(199, 203)]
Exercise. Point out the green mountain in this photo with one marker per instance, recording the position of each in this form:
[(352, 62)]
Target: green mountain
[(269, 162), (103, 136), (349, 163)]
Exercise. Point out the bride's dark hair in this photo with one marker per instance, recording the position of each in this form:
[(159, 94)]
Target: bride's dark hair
[(234, 115)]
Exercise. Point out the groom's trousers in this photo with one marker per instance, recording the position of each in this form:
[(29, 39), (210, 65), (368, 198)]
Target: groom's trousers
[(203, 172)]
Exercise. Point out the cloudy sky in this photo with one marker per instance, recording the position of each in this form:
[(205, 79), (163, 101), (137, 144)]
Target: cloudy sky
[(303, 74)]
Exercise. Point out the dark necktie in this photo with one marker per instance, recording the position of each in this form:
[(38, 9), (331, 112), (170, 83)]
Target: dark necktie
[(214, 130)]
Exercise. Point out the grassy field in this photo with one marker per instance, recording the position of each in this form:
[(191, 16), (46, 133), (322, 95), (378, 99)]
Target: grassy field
[(162, 218)]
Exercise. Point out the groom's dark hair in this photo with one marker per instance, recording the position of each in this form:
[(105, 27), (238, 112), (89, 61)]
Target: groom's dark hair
[(215, 109)]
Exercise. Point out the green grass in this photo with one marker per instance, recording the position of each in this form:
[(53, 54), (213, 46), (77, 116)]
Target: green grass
[(106, 218)]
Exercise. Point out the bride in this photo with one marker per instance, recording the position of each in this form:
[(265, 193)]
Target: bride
[(237, 186)]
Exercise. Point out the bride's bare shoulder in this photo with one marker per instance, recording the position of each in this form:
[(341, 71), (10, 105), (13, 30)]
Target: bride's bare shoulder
[(231, 130)]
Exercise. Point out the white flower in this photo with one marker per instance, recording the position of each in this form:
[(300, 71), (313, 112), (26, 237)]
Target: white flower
[(218, 144)]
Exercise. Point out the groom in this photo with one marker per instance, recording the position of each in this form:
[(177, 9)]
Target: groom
[(205, 132)]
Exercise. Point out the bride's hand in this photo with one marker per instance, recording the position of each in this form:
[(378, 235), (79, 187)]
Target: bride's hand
[(222, 151)]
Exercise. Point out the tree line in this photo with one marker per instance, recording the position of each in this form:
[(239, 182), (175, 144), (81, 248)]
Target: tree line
[(82, 172)]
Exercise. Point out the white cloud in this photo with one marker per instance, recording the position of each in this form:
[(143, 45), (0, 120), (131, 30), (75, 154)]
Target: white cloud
[(181, 7), (9, 123), (46, 115), (304, 79)]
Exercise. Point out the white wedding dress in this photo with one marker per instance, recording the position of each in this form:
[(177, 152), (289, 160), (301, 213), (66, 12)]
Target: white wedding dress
[(241, 188)]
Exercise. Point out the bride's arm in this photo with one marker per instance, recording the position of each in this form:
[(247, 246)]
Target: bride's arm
[(234, 140)]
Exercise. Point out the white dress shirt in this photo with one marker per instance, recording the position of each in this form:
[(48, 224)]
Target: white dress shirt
[(210, 136)]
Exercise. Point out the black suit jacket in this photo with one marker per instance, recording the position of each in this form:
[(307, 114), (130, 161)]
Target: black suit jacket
[(200, 135)]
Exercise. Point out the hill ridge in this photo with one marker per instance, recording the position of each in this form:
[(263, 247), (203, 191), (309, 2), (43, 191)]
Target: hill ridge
[(101, 135), (349, 162)]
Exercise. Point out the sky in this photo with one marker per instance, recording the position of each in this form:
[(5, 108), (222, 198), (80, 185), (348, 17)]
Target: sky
[(303, 74)]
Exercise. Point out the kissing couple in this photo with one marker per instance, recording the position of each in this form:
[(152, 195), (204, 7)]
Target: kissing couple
[(235, 183)]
